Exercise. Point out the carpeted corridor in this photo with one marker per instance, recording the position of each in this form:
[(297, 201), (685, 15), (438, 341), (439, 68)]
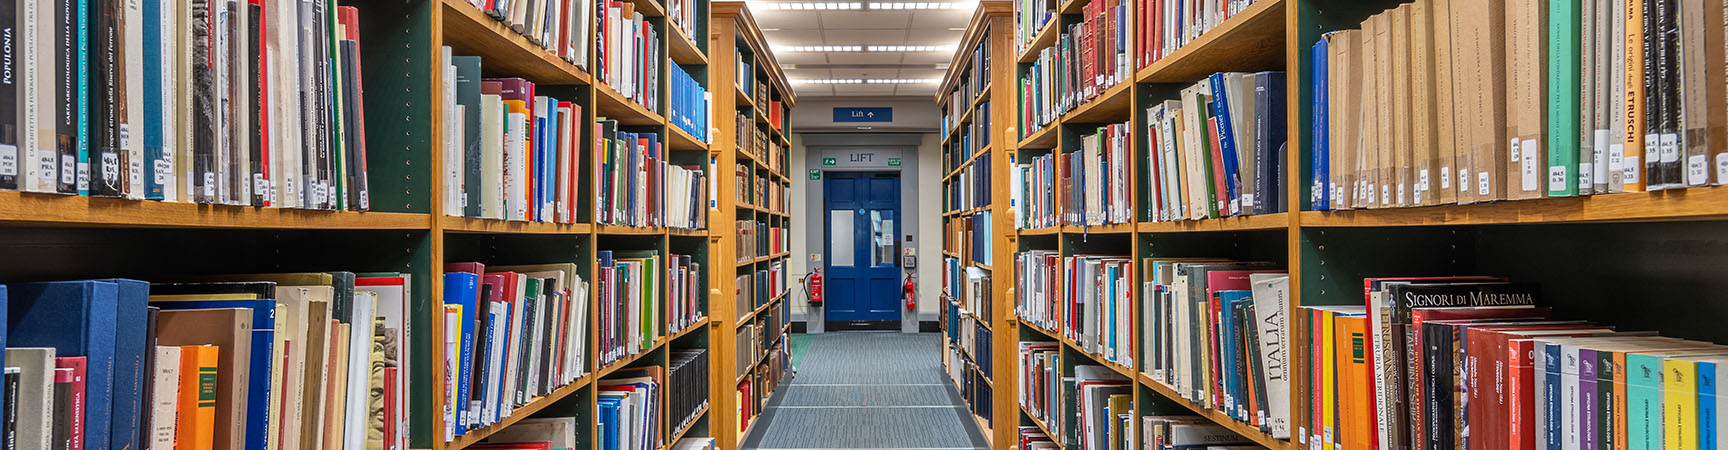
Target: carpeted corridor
[(868, 390)]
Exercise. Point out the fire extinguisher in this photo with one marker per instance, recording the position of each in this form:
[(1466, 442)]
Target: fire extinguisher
[(813, 288), (911, 292)]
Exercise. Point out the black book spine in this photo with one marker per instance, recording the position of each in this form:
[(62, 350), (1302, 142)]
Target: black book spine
[(104, 63), (204, 113), (257, 69), (10, 155), (9, 410), (62, 414), (66, 119), (321, 97), (477, 378), (148, 386)]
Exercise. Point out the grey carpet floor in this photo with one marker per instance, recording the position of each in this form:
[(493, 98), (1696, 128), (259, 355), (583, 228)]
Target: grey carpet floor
[(861, 390)]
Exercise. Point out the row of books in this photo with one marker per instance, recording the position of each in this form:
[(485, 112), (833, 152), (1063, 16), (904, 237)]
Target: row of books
[(1088, 407), (632, 312), (513, 154), (223, 362), (1161, 432), (517, 333), (630, 409), (559, 26), (970, 377), (1212, 330), (169, 123), (969, 237), (971, 139), (753, 393), (768, 193), (758, 239), (969, 287), (687, 394), (1218, 151), (773, 155), (1030, 17), (1094, 180), (1034, 196), (1577, 99), (689, 104), (535, 433), (1088, 58), (760, 337), (970, 86), (1095, 304), (630, 53), (635, 178), (757, 289), (1163, 26), (970, 189)]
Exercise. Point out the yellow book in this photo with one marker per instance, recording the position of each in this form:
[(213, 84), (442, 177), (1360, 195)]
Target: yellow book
[(1679, 405), (1119, 404), (197, 418)]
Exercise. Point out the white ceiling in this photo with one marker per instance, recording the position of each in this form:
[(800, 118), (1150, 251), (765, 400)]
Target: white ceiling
[(864, 28)]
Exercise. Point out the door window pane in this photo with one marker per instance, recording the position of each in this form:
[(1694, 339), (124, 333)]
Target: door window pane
[(882, 237), (840, 238)]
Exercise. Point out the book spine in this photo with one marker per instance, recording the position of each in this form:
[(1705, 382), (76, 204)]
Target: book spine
[(12, 66), (1563, 87)]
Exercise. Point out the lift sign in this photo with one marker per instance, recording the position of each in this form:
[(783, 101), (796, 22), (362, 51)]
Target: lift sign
[(856, 114)]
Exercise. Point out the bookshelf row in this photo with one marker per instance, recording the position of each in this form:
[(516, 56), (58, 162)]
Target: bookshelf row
[(975, 123), (1161, 134), (593, 111), (752, 136)]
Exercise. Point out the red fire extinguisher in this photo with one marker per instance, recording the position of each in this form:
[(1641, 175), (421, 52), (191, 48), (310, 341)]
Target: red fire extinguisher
[(911, 292), (813, 288)]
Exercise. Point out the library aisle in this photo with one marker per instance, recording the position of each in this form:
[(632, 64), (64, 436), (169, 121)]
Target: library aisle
[(874, 390)]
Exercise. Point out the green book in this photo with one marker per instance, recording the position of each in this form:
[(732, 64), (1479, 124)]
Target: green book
[(1563, 86), (1204, 117)]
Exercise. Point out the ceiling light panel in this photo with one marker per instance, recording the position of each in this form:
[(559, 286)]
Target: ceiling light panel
[(895, 6), (901, 80), (820, 48), (829, 81), (911, 48), (810, 6)]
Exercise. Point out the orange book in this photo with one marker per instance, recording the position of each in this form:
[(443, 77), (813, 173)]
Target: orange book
[(197, 417), (1354, 416)]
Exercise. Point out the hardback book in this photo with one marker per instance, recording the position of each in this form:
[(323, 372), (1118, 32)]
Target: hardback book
[(34, 396), (199, 372), (77, 319), (131, 343), (70, 386)]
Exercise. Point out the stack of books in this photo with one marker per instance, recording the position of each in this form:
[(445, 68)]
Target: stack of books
[(520, 332), (1163, 26), (970, 189), (684, 276), (1094, 307), (163, 114), (1087, 59), (1218, 151), (512, 154), (1089, 407), (1034, 200), (687, 391), (230, 362), (1093, 183), (689, 108)]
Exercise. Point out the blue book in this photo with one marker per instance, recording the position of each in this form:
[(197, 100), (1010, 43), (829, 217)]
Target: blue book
[(499, 329), (1227, 143), (1707, 406), (76, 318), (131, 317), (1319, 187), (463, 289), (608, 425), (263, 343), (1227, 320), (1551, 395), (1269, 140), (153, 100)]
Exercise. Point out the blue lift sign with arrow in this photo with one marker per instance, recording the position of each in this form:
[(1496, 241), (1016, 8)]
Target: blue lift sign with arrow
[(858, 114)]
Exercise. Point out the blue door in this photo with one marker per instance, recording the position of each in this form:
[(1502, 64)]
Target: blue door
[(862, 246)]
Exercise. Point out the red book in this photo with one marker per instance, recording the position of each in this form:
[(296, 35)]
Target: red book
[(1521, 405), (1485, 353), (1416, 390), (262, 191), (1218, 174), (390, 411), (71, 369)]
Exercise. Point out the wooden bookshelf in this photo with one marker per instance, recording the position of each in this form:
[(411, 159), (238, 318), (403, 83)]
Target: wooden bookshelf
[(733, 34), (991, 30), (1577, 247)]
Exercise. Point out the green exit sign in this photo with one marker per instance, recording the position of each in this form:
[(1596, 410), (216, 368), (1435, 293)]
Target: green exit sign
[(815, 174), (893, 162), (829, 161)]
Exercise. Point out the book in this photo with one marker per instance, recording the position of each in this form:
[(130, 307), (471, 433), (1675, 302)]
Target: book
[(165, 398), (198, 393), (34, 395), (77, 319), (231, 331)]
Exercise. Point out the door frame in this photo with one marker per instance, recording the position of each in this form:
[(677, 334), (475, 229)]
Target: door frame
[(917, 218), (828, 251)]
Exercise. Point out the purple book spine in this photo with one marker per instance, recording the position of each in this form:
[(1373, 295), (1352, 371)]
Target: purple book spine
[(1587, 398)]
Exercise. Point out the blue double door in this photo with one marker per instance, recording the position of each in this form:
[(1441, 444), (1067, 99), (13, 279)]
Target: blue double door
[(862, 228)]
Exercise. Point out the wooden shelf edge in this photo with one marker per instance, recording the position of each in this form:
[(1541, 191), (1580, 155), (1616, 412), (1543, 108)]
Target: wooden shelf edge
[(22, 208), (452, 224), (1044, 138), (525, 411), (1698, 203), (1251, 432), (1275, 221), (1115, 104)]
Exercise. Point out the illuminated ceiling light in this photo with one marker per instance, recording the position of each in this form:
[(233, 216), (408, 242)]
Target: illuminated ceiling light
[(902, 80), (911, 48), (809, 6), (829, 81), (896, 6), (820, 48)]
